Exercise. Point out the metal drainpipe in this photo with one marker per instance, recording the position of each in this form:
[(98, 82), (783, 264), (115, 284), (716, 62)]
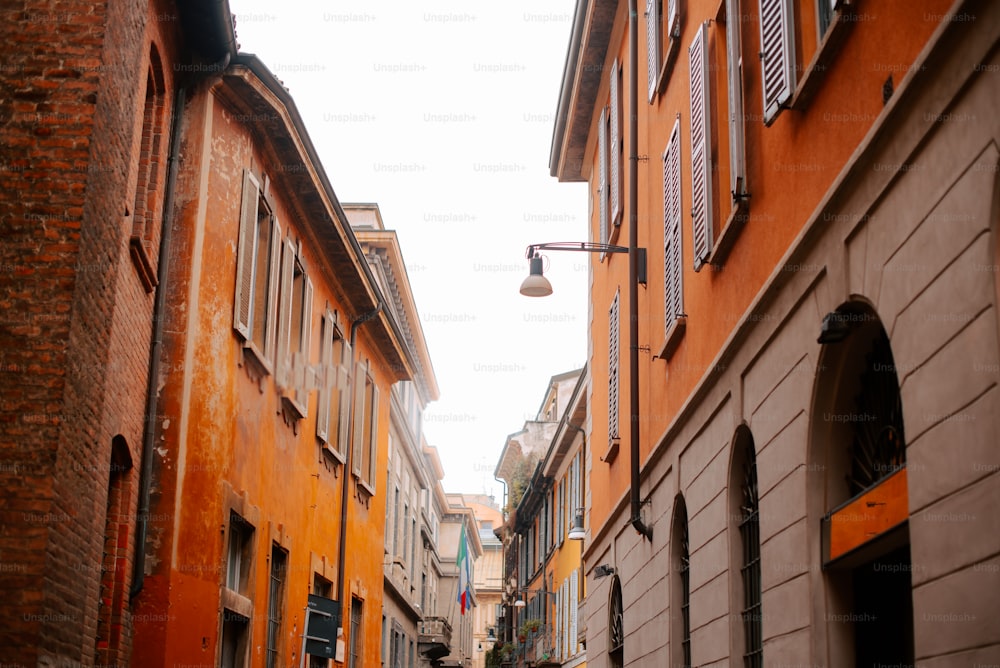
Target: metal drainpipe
[(342, 548), (633, 269), (159, 305)]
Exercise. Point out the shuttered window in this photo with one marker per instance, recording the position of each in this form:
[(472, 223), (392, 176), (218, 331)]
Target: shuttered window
[(653, 46), (615, 105), (365, 443), (734, 71), (701, 147), (283, 367), (602, 161), (613, 370), (257, 261), (777, 53), (673, 289), (293, 372), (333, 402)]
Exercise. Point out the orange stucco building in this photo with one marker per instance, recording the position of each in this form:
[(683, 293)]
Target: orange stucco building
[(813, 329), (272, 425)]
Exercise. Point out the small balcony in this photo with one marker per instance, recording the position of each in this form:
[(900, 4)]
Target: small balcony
[(435, 637)]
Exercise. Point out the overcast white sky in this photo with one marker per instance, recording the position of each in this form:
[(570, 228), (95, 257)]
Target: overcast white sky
[(442, 113)]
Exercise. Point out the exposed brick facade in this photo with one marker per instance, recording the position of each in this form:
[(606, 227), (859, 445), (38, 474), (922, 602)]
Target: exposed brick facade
[(77, 318)]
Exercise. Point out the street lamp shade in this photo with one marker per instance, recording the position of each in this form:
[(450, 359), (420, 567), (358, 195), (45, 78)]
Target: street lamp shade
[(519, 603), (577, 532), (536, 285)]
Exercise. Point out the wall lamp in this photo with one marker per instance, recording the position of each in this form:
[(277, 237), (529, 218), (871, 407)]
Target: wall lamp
[(577, 532), (834, 329), (520, 603), (536, 285), (603, 571)]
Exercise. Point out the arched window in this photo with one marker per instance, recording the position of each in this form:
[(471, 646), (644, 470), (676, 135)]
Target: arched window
[(146, 209), (680, 588), (745, 511), (114, 586), (616, 628)]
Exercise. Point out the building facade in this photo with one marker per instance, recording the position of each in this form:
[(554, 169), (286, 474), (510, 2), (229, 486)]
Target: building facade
[(87, 131), (460, 549), (545, 584), (280, 351), (794, 405), (488, 578)]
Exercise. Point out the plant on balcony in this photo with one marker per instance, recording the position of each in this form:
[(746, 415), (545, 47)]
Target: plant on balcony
[(529, 626)]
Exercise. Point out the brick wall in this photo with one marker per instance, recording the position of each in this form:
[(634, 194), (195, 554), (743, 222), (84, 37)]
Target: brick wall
[(76, 320)]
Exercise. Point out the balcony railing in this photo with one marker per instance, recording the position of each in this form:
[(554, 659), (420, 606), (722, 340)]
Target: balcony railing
[(435, 637)]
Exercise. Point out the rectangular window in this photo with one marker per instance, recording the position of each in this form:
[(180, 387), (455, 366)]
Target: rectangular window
[(333, 403), (777, 54), (239, 554), (365, 426), (354, 657), (294, 327), (257, 263), (734, 71), (235, 639), (602, 164), (276, 604), (672, 280), (613, 369), (617, 144), (701, 148)]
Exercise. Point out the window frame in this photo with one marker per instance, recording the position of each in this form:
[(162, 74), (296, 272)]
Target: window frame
[(247, 273), (365, 437), (296, 291), (778, 81), (335, 385), (663, 34), (277, 592)]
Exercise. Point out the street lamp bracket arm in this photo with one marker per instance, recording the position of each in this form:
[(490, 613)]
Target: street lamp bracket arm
[(584, 246)]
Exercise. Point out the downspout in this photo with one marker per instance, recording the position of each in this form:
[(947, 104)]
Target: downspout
[(159, 307), (633, 268), (342, 548)]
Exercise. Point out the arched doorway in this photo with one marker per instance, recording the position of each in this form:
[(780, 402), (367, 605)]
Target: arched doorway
[(857, 474)]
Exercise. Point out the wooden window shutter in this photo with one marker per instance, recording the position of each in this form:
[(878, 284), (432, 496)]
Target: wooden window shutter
[(613, 369), (372, 444), (673, 292), (574, 600), (701, 146), (652, 45), (602, 160), (616, 145), (344, 409), (245, 255), (734, 62), (273, 271), (304, 375), (357, 454), (283, 362), (777, 53), (326, 378)]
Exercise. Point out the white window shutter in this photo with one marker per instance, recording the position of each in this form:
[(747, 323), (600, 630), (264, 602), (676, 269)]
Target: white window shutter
[(245, 255), (273, 272), (283, 363), (304, 376), (673, 22), (573, 612), (777, 52), (372, 445), (652, 46), (673, 292), (616, 146), (701, 147), (326, 378), (734, 69), (613, 368), (360, 377), (602, 160), (344, 408)]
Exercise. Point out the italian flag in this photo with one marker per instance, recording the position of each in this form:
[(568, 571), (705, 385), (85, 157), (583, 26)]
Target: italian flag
[(464, 573)]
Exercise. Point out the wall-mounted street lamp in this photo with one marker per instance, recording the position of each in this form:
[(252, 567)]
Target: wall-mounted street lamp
[(536, 285), (577, 532)]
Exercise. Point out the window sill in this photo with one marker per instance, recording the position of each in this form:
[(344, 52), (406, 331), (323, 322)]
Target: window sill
[(293, 407), (255, 357), (730, 231), (333, 453), (612, 452), (140, 251), (236, 602), (667, 67), (674, 335), (823, 59), (363, 485)]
